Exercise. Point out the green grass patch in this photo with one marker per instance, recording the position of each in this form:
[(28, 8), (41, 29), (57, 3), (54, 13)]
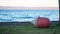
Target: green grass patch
[(29, 30), (26, 30)]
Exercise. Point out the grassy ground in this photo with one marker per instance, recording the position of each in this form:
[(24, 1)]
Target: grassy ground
[(29, 30)]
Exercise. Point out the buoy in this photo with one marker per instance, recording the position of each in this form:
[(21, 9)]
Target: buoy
[(42, 22)]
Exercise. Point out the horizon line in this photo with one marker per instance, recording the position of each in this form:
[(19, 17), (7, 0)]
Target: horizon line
[(27, 8)]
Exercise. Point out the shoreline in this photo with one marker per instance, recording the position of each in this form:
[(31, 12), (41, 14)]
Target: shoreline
[(21, 23)]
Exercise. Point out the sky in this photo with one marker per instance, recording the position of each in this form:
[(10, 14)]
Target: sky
[(30, 3)]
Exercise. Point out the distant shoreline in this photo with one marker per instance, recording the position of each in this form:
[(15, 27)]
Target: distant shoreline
[(27, 8), (21, 23)]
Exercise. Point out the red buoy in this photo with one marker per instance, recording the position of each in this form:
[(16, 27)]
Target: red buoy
[(43, 22)]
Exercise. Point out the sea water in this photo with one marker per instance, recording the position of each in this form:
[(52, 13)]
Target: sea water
[(27, 15)]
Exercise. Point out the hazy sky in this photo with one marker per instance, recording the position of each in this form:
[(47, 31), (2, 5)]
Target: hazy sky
[(30, 3)]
